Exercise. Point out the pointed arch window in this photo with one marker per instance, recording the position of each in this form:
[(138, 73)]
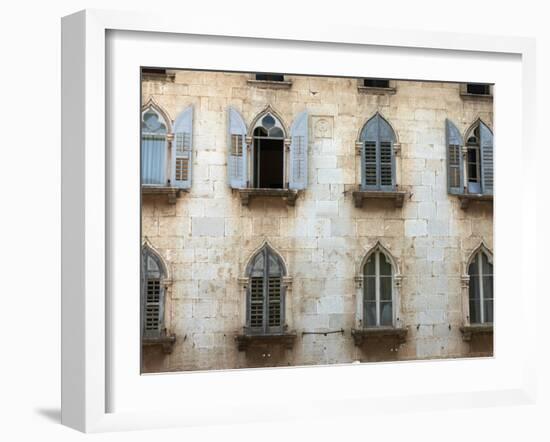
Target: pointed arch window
[(480, 271), (152, 294), (378, 293), (266, 293), (166, 158), (377, 155), (263, 159), (470, 162), (153, 148)]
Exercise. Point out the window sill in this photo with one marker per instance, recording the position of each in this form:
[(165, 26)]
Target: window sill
[(267, 84), (472, 331), (247, 194), (397, 335), (158, 77), (376, 90), (244, 341), (172, 193), (398, 197), (466, 198), (167, 342), (485, 97)]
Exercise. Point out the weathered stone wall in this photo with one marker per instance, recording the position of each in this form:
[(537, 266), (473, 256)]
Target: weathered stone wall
[(207, 237)]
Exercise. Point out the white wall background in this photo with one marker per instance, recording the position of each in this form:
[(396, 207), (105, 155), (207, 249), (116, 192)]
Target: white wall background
[(30, 215)]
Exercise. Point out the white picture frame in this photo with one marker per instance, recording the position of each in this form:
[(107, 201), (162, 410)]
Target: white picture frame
[(90, 366)]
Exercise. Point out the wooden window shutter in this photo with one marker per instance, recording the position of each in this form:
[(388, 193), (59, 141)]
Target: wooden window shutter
[(377, 155), (299, 152), (182, 149), (486, 146), (455, 174), (237, 164)]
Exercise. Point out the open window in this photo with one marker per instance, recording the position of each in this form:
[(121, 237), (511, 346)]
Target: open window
[(470, 163), (264, 160), (153, 290), (268, 154), (166, 153)]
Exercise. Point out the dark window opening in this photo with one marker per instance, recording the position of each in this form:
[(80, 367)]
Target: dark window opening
[(478, 89), (270, 77), (268, 161), (155, 71), (376, 82)]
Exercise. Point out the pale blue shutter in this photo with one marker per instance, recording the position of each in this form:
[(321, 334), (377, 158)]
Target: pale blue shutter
[(486, 146), (237, 164), (299, 152), (386, 160), (182, 149), (455, 171)]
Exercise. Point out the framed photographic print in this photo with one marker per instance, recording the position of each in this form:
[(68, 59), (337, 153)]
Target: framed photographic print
[(250, 215)]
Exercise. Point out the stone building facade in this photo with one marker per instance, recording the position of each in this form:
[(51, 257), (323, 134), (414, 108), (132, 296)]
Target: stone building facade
[(327, 231)]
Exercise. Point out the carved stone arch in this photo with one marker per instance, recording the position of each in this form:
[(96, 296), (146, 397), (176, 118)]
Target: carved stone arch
[(265, 245), (268, 110), (472, 126), (378, 246), (147, 247), (386, 120), (162, 113), (482, 247)]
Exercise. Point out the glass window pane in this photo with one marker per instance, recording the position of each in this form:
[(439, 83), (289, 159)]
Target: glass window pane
[(475, 315), (473, 269), (487, 266), (370, 288), (488, 287), (369, 266), (274, 267), (385, 265), (258, 265), (276, 132), (268, 121), (488, 306), (370, 317), (386, 314), (385, 288)]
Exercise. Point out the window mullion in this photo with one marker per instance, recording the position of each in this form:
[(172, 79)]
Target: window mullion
[(265, 309), (377, 285), (481, 296)]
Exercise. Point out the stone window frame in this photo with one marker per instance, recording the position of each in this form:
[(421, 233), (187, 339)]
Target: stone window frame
[(268, 84), (171, 191), (164, 338), (364, 193), (397, 279), (482, 247), (464, 94), (286, 284), (362, 89)]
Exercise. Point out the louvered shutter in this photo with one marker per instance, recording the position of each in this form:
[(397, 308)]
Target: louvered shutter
[(182, 149), (486, 146), (299, 152), (455, 174), (386, 167), (237, 153)]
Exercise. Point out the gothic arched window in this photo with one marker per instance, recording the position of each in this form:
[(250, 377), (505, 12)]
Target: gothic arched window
[(480, 271), (378, 296), (152, 293), (265, 295), (377, 155)]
